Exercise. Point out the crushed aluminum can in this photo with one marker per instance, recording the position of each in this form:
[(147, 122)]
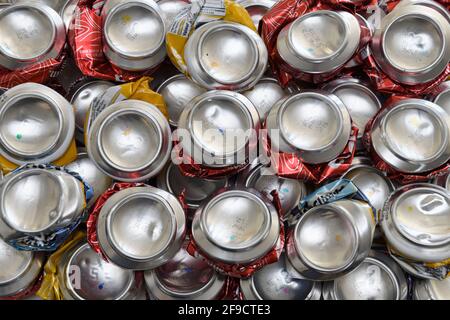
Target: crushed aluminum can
[(273, 282), (171, 8), (427, 3), (84, 275), (20, 270), (177, 92), (402, 61), (432, 289), (87, 170), (264, 95), (288, 191), (26, 39), (441, 96), (410, 136), (194, 190), (238, 231), (37, 125), (133, 34), (225, 55), (137, 227), (257, 8), (81, 95), (129, 140), (361, 102), (337, 218), (378, 277), (185, 278), (443, 181), (414, 222), (234, 142)]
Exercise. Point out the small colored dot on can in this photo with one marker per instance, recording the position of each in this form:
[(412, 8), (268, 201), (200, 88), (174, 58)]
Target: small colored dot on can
[(19, 136)]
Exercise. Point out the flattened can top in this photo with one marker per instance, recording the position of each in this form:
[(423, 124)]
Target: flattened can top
[(184, 278), (36, 124), (432, 289), (416, 220), (412, 136), (273, 282), (30, 33), (442, 99), (257, 8), (86, 276), (236, 226)]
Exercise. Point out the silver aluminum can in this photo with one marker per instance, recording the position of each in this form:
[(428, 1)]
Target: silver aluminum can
[(177, 92), (39, 201), (378, 277), (319, 42), (83, 95), (432, 289), (330, 240), (415, 222), (223, 113), (273, 282), (20, 269), (427, 3), (313, 124), (413, 136), (225, 55), (257, 8), (84, 275), (237, 226), (30, 33), (130, 141), (195, 190), (264, 95), (412, 45), (361, 102), (262, 178), (65, 8), (95, 178), (141, 228), (442, 97), (133, 34), (372, 182), (184, 278), (170, 9), (36, 124)]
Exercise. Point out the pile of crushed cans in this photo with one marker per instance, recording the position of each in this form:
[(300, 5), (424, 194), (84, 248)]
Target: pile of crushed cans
[(219, 149)]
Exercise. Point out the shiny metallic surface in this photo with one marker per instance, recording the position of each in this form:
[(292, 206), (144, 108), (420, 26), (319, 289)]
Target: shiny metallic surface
[(177, 92), (257, 8), (86, 168), (432, 289), (236, 226), (319, 41), (86, 276), (378, 277), (442, 98), (19, 269), (427, 3), (314, 124), (39, 201), (184, 278), (36, 124), (82, 98), (219, 113), (170, 8), (360, 101), (415, 222), (134, 34), (343, 230), (225, 55), (273, 282), (130, 141), (195, 190), (263, 179), (412, 45), (372, 182), (443, 181), (30, 33), (412, 136), (264, 95), (141, 228)]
